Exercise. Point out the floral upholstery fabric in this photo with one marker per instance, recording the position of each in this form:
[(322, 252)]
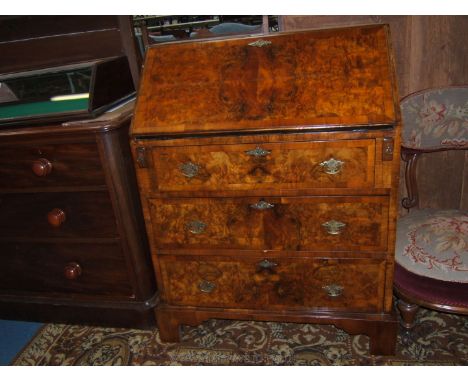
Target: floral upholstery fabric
[(436, 118), (434, 244)]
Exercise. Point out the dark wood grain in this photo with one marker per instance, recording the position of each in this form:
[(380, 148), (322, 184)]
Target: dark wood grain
[(31, 42), (120, 175), (88, 214), (95, 266), (30, 54), (24, 27), (440, 179), (130, 47), (117, 314), (71, 165), (41, 268)]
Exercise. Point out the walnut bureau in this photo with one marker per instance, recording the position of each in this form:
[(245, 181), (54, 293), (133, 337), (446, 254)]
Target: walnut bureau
[(268, 172), (72, 242)]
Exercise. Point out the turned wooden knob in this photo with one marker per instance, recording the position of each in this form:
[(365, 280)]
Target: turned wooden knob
[(72, 271), (42, 167), (56, 217)]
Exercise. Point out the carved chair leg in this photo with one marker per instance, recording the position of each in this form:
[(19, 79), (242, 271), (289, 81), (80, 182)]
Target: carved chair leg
[(408, 313)]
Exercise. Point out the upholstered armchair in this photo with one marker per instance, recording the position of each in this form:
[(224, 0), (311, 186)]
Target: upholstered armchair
[(431, 267)]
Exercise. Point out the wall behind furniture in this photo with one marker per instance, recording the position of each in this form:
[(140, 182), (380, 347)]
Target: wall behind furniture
[(430, 51)]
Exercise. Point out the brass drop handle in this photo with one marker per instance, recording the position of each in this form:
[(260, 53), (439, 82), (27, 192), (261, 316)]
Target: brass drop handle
[(41, 167), (189, 169), (334, 227), (258, 152), (196, 227), (332, 166), (206, 286), (333, 290), (72, 271), (262, 205), (56, 217)]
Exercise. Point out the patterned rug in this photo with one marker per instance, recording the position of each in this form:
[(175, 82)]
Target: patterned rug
[(438, 339)]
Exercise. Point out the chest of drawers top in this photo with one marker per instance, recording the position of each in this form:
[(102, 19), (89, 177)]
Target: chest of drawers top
[(324, 78)]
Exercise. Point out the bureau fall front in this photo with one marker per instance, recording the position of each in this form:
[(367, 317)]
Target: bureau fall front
[(268, 170)]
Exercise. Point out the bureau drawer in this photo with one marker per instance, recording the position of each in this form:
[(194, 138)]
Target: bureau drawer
[(65, 215), (50, 166), (97, 269), (281, 283), (287, 223), (316, 164)]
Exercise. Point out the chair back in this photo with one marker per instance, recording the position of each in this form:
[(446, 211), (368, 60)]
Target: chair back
[(433, 120)]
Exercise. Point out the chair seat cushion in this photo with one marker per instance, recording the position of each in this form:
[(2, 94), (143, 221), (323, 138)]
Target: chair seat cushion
[(434, 244), (452, 296)]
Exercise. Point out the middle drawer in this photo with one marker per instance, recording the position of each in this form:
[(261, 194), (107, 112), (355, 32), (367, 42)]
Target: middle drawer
[(285, 223), (67, 215)]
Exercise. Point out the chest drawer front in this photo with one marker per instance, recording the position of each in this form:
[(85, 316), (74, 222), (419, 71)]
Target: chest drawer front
[(292, 223), (338, 284), (95, 269), (64, 215), (334, 164), (60, 165)]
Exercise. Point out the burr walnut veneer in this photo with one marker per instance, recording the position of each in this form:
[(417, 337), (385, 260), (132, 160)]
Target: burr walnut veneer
[(267, 169)]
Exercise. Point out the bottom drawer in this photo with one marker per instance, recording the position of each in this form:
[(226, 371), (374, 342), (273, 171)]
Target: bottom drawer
[(94, 269), (284, 283)]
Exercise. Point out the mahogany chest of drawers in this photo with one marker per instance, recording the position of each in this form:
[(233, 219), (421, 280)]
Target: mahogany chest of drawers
[(72, 243), (267, 170)]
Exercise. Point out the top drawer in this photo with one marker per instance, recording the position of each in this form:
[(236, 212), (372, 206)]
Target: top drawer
[(316, 164), (36, 166)]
